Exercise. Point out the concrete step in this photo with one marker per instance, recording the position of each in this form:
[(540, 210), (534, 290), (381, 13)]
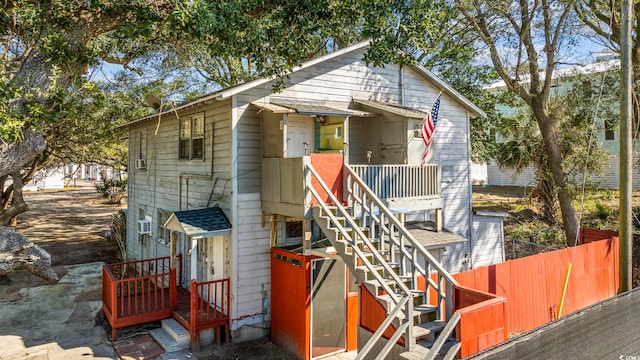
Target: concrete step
[(171, 336)]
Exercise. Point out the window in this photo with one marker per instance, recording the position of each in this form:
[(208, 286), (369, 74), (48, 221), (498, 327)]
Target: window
[(163, 233), (609, 130), (142, 145), (338, 132), (192, 137)]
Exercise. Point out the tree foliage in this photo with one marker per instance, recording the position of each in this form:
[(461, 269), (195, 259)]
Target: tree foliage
[(579, 110), (522, 38)]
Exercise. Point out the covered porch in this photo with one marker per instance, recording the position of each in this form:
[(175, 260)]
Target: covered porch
[(402, 188), (143, 291), (363, 142)]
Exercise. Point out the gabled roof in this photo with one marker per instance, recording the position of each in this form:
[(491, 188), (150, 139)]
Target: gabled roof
[(234, 90), (205, 222)]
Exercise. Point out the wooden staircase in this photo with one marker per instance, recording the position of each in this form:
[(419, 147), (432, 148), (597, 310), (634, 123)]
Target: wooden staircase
[(384, 257)]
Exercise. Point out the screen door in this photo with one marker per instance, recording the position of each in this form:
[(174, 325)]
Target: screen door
[(328, 307)]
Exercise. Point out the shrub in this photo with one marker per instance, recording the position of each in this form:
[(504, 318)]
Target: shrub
[(112, 189)]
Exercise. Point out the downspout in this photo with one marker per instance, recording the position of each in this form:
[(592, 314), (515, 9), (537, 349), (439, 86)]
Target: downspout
[(190, 175), (234, 212), (401, 84), (470, 184)]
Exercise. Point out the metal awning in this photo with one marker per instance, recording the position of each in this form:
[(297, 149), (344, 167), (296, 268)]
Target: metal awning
[(312, 108), (308, 107), (276, 109), (394, 109), (200, 223)]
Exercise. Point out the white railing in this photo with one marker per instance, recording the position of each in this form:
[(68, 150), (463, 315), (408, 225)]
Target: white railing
[(400, 181), (405, 249), (401, 297)]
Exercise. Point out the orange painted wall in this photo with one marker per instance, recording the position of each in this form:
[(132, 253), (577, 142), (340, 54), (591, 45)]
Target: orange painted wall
[(290, 300), (532, 285), (291, 304), (352, 321), (372, 314), (329, 167), (475, 308), (591, 235)]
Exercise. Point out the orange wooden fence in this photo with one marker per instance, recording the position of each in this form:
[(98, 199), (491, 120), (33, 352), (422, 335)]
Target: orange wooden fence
[(209, 308), (532, 285), (290, 302), (483, 319), (137, 292)]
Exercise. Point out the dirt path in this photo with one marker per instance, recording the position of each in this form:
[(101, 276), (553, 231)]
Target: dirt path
[(70, 225), (57, 320)]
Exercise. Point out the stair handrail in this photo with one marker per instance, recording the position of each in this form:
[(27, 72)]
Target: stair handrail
[(399, 303), (357, 229), (392, 218), (444, 335)]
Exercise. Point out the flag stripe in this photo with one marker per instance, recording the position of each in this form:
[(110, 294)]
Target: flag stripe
[(429, 128)]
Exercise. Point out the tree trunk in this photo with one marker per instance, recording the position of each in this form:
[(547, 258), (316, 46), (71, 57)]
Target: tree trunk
[(18, 205), (550, 137), (15, 155)]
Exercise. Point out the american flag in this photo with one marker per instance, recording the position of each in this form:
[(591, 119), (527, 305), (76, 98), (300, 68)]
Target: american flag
[(429, 128)]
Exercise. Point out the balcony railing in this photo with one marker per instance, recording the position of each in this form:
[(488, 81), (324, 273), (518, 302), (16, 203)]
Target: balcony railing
[(400, 181), (406, 186)]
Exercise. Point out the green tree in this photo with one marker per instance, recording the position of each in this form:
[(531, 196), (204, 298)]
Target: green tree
[(523, 38), (579, 110)]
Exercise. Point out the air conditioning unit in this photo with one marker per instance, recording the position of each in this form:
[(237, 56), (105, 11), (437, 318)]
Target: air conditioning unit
[(144, 227), (141, 164)]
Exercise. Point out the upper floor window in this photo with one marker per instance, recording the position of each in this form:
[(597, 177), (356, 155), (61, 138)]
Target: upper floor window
[(609, 130), (192, 137)]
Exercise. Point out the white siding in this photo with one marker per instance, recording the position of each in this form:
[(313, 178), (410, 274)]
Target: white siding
[(609, 179), (339, 81), (508, 177), (171, 184), (488, 241), (253, 297)]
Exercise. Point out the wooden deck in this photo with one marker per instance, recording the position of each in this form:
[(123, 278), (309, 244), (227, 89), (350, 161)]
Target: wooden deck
[(143, 291)]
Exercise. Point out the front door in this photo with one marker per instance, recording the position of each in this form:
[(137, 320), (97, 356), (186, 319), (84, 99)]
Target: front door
[(328, 307), (393, 142), (299, 132)]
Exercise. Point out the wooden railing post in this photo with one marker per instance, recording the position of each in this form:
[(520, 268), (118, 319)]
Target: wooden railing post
[(194, 317)]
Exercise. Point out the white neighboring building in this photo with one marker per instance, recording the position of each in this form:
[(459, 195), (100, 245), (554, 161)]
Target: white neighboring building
[(608, 137)]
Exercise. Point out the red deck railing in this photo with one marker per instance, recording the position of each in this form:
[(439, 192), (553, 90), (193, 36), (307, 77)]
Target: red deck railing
[(210, 304), (137, 292)]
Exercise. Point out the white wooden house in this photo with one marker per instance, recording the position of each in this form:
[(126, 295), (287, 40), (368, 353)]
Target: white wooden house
[(249, 152)]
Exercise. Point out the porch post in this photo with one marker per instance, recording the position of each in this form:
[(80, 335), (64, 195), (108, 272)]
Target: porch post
[(345, 138), (172, 250), (284, 135), (194, 258)]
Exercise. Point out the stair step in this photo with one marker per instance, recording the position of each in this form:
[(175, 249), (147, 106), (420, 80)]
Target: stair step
[(421, 350), (433, 328), (165, 340), (176, 331), (425, 308), (428, 330)]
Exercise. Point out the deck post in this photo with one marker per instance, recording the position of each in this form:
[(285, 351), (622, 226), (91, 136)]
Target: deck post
[(438, 220), (172, 250), (194, 258)]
